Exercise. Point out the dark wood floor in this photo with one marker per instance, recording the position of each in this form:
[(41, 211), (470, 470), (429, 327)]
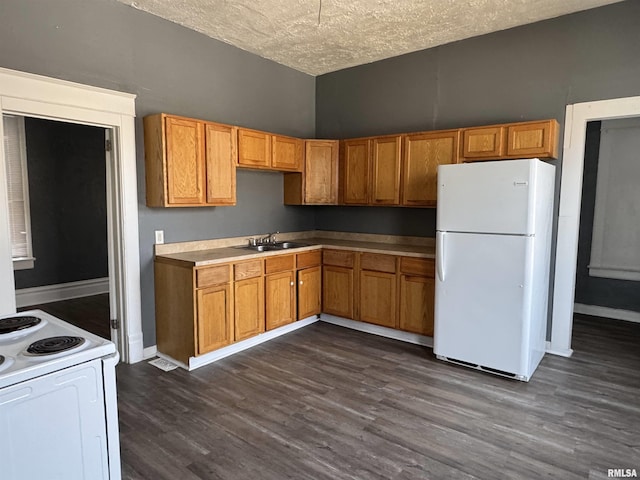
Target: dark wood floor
[(89, 313), (329, 403)]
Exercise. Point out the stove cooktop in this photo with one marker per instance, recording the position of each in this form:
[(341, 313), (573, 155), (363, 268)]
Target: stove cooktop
[(44, 344)]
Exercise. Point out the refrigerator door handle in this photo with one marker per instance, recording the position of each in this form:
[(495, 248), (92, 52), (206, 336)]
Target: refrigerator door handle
[(440, 254)]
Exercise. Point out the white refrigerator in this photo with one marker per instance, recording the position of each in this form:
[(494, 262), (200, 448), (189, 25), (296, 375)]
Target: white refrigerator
[(493, 244)]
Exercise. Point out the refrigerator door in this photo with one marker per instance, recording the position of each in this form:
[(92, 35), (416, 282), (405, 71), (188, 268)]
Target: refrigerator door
[(488, 197), (482, 300)]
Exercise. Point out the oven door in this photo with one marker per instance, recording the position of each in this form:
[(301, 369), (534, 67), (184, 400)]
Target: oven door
[(53, 426)]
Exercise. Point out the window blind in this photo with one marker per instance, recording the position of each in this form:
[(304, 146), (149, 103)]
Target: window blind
[(17, 186)]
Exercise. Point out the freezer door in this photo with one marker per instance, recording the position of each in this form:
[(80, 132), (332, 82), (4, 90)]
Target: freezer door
[(482, 300), (488, 197)]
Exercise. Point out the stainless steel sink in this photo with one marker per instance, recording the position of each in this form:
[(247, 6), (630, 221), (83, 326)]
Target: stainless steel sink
[(274, 246), (285, 245)]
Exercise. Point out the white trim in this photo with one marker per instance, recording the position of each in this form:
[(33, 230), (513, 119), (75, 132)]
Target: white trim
[(576, 120), (219, 354), (560, 353), (377, 330), (149, 352), (619, 273), (607, 312), (61, 291), (23, 263), (39, 96)]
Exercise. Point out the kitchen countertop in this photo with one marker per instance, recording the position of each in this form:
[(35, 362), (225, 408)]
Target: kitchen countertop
[(363, 243)]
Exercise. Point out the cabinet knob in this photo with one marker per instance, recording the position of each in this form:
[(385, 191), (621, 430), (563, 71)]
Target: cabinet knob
[(292, 284), (300, 282)]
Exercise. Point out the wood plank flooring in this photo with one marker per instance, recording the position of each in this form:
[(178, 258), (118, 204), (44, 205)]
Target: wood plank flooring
[(326, 402), (89, 313)]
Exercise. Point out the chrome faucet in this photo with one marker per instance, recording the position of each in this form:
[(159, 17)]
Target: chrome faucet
[(269, 239)]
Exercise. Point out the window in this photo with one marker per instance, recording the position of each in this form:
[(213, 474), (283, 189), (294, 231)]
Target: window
[(18, 191), (615, 241)]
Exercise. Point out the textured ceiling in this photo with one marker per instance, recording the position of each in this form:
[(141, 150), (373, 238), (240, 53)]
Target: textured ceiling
[(321, 36)]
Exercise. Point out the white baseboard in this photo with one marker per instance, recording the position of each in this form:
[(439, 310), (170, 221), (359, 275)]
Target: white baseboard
[(377, 330), (207, 358), (62, 291), (561, 352), (607, 312), (149, 352)]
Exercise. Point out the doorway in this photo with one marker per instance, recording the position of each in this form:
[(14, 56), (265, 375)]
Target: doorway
[(58, 201), (576, 119), (42, 97)]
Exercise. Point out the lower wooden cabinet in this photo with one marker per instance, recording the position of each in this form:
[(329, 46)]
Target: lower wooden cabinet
[(214, 318), (201, 309), (280, 299), (309, 292), (337, 291), (417, 296), (378, 298), (249, 307)]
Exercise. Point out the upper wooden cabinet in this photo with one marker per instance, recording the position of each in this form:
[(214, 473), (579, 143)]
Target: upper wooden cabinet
[(355, 171), (483, 143), (370, 171), (512, 140), (286, 153), (254, 148), (533, 139), (318, 184), (422, 154), (385, 170), (189, 163), (263, 150)]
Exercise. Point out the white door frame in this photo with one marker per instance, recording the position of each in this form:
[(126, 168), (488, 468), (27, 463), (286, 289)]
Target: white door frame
[(38, 96), (576, 119)]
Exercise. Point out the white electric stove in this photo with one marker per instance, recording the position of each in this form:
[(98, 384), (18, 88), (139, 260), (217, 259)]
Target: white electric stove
[(58, 407)]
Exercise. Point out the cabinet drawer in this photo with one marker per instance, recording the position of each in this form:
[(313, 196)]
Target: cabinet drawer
[(245, 270), (378, 262), (339, 258), (418, 266), (281, 263), (209, 276), (308, 259)]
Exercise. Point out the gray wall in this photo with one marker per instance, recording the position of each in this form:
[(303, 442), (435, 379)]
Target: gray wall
[(525, 73), (175, 70), (68, 203), (605, 292)]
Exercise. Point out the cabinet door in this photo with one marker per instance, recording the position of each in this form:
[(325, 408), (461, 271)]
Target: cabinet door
[(417, 295), (422, 155), (215, 322), (254, 148), (483, 143), (280, 299), (249, 307), (355, 172), (286, 153), (337, 291), (385, 170), (309, 292), (185, 162), (221, 154), (321, 172), (533, 139), (378, 298)]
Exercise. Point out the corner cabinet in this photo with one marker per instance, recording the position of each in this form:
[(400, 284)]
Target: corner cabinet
[(318, 182), (188, 162), (262, 150)]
